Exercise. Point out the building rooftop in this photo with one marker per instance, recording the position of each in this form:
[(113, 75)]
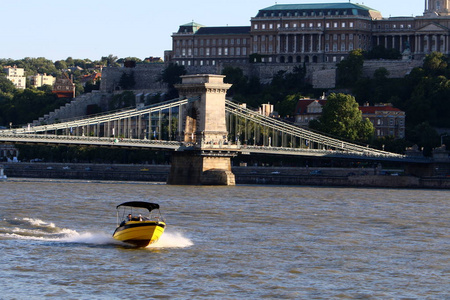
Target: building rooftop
[(318, 9), (224, 30)]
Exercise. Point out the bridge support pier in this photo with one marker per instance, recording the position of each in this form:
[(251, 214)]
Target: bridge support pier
[(196, 167), (206, 159)]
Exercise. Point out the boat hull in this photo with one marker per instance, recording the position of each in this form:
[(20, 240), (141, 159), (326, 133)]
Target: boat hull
[(140, 233)]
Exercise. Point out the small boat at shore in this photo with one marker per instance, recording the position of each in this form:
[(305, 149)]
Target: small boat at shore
[(139, 223)]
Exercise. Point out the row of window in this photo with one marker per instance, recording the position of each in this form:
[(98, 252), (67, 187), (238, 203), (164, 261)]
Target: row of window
[(395, 26), (211, 42), (343, 24), (311, 13), (205, 62), (232, 51)]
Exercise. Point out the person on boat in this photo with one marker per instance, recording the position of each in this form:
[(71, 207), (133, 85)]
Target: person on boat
[(129, 217)]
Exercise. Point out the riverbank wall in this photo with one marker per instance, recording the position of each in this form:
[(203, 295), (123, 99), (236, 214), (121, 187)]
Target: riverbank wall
[(356, 177)]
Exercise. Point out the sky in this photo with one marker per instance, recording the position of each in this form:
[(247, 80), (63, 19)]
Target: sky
[(82, 29)]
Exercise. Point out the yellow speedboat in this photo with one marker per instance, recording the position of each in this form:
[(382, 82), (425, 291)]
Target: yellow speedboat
[(141, 225)]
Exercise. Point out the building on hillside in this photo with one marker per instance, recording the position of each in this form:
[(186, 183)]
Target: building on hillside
[(16, 76), (94, 77), (153, 59), (267, 110), (312, 33), (64, 87), (386, 119), (197, 45), (307, 110), (39, 80)]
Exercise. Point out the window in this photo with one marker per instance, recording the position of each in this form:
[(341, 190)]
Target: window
[(270, 26), (263, 26), (335, 25), (255, 26), (351, 24), (327, 25), (343, 24)]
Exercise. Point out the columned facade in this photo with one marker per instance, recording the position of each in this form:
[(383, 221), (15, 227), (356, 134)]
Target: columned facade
[(314, 33)]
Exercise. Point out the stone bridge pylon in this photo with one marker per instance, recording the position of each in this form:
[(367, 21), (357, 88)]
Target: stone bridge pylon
[(207, 158)]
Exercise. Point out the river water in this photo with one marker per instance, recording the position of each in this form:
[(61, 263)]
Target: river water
[(242, 242)]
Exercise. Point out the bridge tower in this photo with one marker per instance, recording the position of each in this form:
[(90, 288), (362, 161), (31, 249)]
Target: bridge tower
[(206, 159)]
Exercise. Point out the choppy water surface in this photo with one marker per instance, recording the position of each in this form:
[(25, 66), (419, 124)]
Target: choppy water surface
[(243, 242)]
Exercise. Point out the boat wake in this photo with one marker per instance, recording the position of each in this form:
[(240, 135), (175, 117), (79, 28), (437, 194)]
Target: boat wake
[(171, 240), (38, 230)]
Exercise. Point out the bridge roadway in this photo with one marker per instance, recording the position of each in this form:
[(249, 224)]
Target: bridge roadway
[(328, 146), (45, 139)]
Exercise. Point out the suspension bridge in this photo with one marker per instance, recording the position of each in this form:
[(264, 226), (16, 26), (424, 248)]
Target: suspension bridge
[(202, 119)]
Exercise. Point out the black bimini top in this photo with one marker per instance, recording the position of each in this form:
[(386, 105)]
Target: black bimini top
[(141, 204)]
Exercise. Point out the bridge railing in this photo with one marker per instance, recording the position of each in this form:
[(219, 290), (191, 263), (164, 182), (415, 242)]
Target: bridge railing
[(302, 133)]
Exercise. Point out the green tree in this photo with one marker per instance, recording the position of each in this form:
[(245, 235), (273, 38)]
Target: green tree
[(435, 64), (350, 69), (286, 107), (172, 75), (123, 100), (341, 117), (236, 77), (127, 81)]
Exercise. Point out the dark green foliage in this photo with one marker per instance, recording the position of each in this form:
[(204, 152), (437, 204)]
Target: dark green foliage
[(341, 117), (172, 75), (380, 52), (425, 137), (27, 105), (123, 100), (349, 70), (283, 85), (127, 81)]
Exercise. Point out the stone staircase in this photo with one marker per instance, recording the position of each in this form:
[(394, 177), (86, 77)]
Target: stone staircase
[(75, 108)]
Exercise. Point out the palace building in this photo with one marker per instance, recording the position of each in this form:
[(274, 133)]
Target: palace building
[(312, 33)]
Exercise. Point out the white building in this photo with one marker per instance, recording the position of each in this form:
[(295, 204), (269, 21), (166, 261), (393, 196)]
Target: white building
[(42, 79), (16, 76)]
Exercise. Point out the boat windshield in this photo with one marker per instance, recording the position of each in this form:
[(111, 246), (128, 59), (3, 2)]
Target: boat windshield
[(138, 211)]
